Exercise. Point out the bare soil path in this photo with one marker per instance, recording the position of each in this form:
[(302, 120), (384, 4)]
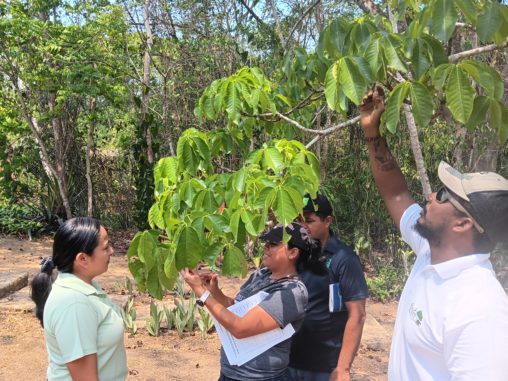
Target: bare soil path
[(23, 354)]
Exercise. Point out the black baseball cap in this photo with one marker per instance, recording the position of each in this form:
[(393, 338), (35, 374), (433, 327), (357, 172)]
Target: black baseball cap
[(320, 205), (299, 236)]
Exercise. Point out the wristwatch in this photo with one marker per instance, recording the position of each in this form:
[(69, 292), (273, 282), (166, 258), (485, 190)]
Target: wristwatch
[(202, 299)]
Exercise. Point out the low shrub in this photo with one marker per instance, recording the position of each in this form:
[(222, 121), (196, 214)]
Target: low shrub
[(20, 219), (387, 283)]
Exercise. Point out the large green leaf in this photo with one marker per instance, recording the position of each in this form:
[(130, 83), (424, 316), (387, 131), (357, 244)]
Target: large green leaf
[(373, 57), (212, 252), (486, 76), (188, 248), (418, 52), (234, 103), (205, 200), (273, 159), (146, 250), (360, 36), (332, 89), (444, 17), (489, 21), (440, 75), (219, 224), (459, 94), (155, 217), (186, 156), (136, 267), (421, 100), (247, 221), (234, 223), (169, 266), (153, 285), (394, 102), (284, 207), (468, 9), (187, 192), (439, 55), (331, 40), (352, 79), (239, 179), (203, 149), (502, 32), (498, 117), (390, 53), (234, 262), (167, 168), (296, 197), (480, 107)]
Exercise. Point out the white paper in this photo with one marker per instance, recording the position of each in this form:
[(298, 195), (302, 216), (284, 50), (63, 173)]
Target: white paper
[(239, 351)]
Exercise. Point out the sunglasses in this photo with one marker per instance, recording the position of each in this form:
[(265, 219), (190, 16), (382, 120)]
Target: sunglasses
[(443, 195)]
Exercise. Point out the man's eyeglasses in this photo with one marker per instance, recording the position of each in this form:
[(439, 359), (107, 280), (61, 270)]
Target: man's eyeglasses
[(443, 195)]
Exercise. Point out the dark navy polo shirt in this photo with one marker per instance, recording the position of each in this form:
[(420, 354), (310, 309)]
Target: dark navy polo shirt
[(316, 346)]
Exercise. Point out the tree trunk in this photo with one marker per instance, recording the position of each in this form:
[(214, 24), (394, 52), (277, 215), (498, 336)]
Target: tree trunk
[(89, 145), (146, 80), (60, 156), (165, 118)]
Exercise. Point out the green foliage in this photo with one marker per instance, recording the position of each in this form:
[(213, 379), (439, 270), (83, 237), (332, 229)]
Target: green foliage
[(387, 283), (153, 323), (19, 219), (129, 316), (205, 323), (203, 215)]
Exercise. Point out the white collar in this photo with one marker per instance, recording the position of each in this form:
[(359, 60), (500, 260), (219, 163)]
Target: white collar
[(453, 267)]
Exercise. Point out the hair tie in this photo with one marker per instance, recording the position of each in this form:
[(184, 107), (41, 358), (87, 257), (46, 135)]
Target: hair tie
[(47, 265)]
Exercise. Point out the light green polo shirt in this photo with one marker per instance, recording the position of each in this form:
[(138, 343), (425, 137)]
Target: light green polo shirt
[(79, 319)]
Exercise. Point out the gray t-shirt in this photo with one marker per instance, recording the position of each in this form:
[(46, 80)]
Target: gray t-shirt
[(286, 304)]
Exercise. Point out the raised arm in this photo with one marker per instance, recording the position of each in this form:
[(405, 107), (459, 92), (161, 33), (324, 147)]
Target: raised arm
[(256, 321), (389, 179)]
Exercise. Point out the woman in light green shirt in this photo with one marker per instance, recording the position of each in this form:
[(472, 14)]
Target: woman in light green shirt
[(83, 329)]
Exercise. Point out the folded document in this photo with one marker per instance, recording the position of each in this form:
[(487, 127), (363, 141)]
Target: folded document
[(239, 351)]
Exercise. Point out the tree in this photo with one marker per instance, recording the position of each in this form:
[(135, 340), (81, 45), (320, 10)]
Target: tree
[(57, 73), (413, 66)]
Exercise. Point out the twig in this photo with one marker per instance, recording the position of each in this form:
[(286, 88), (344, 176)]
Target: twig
[(328, 131)]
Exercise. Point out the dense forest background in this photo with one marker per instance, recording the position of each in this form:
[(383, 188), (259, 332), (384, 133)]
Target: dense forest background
[(95, 93)]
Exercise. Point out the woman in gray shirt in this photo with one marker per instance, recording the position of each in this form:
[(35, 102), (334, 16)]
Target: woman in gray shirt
[(285, 303)]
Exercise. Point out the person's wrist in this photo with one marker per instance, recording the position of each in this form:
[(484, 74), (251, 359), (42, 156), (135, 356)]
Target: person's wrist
[(199, 290)]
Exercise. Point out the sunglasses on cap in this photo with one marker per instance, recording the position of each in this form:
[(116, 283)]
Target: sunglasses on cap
[(443, 195)]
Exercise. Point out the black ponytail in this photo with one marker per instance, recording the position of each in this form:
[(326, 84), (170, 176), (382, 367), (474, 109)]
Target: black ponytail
[(74, 236), (311, 259)]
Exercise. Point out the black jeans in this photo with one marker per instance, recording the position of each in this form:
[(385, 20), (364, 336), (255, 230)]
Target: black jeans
[(282, 377)]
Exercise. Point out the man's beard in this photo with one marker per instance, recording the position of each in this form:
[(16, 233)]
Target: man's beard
[(433, 235)]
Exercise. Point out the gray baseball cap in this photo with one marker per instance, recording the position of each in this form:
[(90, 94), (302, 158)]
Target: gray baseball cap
[(484, 195)]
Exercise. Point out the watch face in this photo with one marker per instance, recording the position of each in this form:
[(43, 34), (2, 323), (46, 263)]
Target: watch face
[(200, 303)]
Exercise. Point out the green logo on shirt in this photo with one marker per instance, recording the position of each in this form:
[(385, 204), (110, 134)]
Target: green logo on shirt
[(416, 314)]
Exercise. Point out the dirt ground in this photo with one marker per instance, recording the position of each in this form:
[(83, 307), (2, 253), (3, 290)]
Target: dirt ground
[(23, 354)]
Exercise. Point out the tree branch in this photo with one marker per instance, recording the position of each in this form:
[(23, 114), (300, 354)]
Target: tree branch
[(253, 14), (328, 131), (288, 39), (474, 52)]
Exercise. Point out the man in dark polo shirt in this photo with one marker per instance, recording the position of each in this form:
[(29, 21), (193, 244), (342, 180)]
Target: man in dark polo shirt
[(326, 344)]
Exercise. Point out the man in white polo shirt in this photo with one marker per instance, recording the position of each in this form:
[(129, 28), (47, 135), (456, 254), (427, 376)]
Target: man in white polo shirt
[(452, 319)]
